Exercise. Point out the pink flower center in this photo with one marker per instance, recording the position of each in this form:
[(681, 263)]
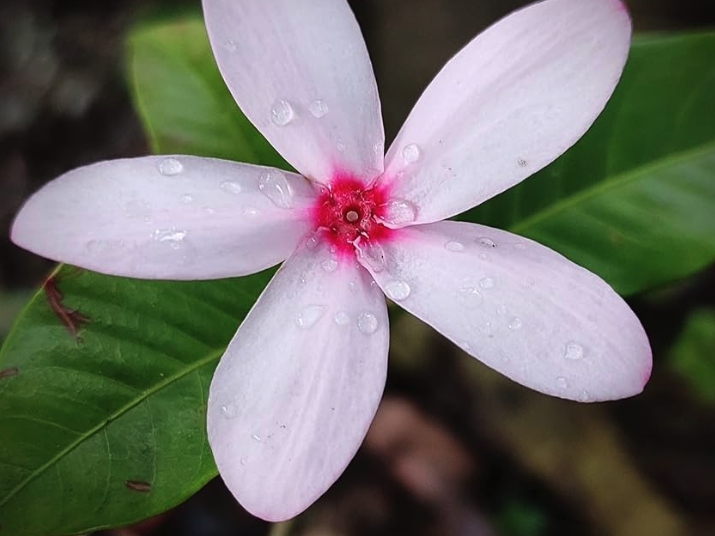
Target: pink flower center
[(347, 211)]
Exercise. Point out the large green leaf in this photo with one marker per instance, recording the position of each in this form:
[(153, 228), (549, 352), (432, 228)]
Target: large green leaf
[(106, 426), (103, 423), (634, 200)]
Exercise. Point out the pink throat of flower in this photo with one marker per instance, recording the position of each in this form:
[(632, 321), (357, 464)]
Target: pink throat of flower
[(347, 210)]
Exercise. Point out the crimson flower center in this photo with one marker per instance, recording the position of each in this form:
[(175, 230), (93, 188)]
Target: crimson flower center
[(347, 210)]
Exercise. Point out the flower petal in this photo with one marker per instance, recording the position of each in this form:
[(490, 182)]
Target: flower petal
[(177, 217), (512, 101), (519, 307), (295, 393), (301, 73)]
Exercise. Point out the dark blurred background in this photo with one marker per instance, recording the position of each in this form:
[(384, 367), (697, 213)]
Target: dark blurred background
[(455, 449)]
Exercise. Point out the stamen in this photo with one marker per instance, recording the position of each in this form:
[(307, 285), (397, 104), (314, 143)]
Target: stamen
[(352, 216)]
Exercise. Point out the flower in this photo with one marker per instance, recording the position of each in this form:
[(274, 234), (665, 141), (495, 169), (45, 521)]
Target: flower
[(294, 394)]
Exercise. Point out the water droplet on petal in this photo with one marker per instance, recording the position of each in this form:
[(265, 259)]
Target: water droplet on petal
[(170, 167), (486, 242), (562, 382), (169, 235), (469, 297), (411, 153), (274, 185), (282, 113), (340, 145), (256, 437), (501, 310), (232, 187), (486, 283), (229, 411), (573, 351), (230, 45), (367, 323), (464, 345), (309, 316), (318, 108), (397, 290), (372, 254), (584, 396), (341, 318), (398, 212), (329, 265), (454, 246), (522, 162), (519, 245), (251, 212), (515, 323), (187, 199)]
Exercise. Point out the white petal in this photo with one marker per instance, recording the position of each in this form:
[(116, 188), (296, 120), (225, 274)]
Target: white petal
[(161, 217), (512, 101), (300, 72), (519, 307), (295, 393)]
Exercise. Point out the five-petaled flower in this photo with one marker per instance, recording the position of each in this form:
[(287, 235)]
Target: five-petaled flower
[(294, 394)]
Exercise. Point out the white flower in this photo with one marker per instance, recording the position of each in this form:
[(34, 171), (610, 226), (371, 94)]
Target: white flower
[(298, 386)]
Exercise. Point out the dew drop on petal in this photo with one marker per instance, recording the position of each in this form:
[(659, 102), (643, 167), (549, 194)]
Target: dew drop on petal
[(454, 246), (312, 243), (232, 187), (584, 396), (397, 290), (469, 297), (309, 316), (367, 323), (411, 153), (574, 351), (187, 199), (340, 145), (251, 211), (341, 318), (170, 167), (562, 382), (519, 245), (329, 265), (516, 323), (229, 411), (486, 283), (398, 212), (486, 242), (318, 108), (501, 310), (256, 437), (230, 45), (282, 113), (274, 185), (372, 254)]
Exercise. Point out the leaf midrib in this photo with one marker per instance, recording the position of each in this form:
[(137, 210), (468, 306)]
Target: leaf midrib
[(600, 188), (214, 356)]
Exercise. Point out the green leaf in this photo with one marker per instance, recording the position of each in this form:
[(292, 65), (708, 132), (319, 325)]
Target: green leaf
[(634, 200), (182, 100), (693, 354), (107, 426)]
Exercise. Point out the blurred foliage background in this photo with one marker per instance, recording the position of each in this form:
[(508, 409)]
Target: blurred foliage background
[(455, 449)]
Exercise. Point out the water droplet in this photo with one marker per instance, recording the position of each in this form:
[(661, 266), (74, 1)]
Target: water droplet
[(562, 382), (486, 328), (411, 154), (464, 345), (169, 235), (251, 211), (519, 245), (312, 243), (187, 199), (230, 45), (379, 149), (573, 351), (584, 396), (209, 210), (274, 185), (486, 242), (486, 283), (522, 162), (516, 323), (170, 166), (318, 108), (457, 247), (229, 411), (501, 310), (309, 316), (103, 247), (367, 323), (232, 187), (397, 290), (469, 297), (341, 318), (372, 254), (398, 212), (256, 437), (340, 145), (282, 113), (329, 265)]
